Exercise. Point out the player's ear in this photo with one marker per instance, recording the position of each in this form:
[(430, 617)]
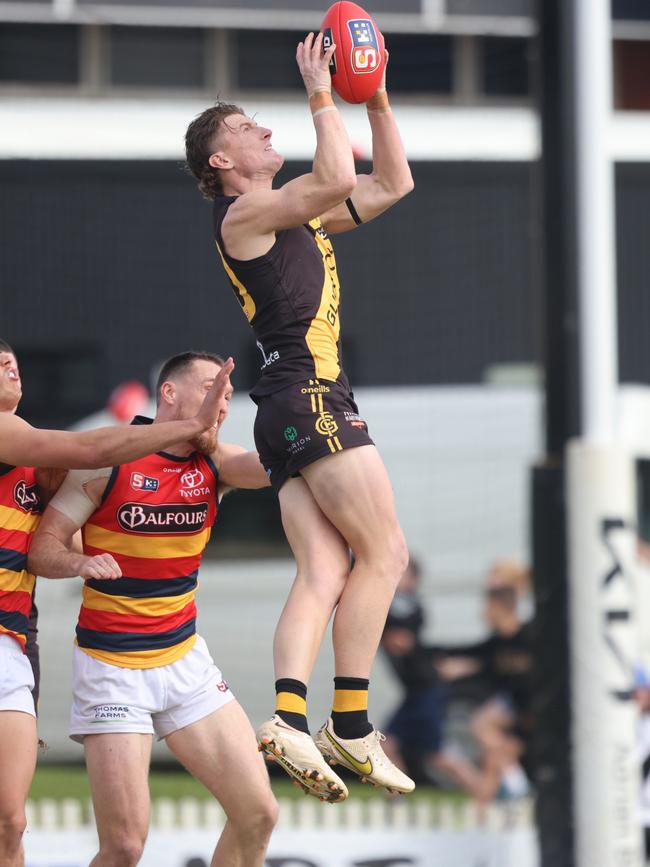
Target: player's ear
[(220, 161), (168, 393)]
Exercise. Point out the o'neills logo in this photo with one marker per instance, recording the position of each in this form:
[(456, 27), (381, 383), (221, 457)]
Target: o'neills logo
[(26, 496), (164, 518)]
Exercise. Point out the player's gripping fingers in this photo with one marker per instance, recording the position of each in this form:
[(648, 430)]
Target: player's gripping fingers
[(313, 65), (102, 567), (329, 53), (382, 85), (212, 411)]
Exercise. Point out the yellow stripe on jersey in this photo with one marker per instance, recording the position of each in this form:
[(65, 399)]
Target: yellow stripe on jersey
[(245, 298), (5, 631), (163, 547), (15, 519), (10, 580), (143, 658), (323, 333), (144, 606)]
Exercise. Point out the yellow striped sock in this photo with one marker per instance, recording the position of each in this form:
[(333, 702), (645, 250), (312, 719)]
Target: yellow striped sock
[(290, 702), (350, 699), (350, 707)]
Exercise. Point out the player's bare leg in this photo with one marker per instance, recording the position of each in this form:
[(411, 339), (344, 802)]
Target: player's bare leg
[(323, 562), (118, 770), (18, 746), (353, 491), (220, 751)]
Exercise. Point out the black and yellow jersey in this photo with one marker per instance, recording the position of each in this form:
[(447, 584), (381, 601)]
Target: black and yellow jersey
[(291, 297)]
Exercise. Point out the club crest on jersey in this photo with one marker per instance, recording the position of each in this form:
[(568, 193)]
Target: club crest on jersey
[(26, 497), (365, 55), (140, 482)]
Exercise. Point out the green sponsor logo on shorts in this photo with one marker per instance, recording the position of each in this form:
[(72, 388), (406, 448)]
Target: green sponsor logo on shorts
[(290, 434)]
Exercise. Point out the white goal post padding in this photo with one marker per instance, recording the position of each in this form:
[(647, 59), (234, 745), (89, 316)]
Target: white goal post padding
[(602, 544)]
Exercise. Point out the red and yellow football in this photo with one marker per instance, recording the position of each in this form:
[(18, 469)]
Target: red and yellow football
[(358, 62)]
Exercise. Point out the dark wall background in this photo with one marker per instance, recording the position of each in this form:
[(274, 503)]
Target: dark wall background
[(108, 267)]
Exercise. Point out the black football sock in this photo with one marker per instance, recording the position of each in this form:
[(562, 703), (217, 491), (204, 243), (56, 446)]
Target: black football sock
[(350, 707), (291, 702)]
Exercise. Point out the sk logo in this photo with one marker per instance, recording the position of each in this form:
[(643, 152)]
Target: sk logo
[(326, 425), (290, 434)]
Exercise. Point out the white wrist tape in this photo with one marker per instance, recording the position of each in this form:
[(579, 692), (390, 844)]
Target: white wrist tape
[(324, 109)]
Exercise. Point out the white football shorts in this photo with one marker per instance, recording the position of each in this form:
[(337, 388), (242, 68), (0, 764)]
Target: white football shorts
[(16, 677), (160, 701)]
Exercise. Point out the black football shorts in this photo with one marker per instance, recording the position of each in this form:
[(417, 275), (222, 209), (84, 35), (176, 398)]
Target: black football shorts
[(305, 422)]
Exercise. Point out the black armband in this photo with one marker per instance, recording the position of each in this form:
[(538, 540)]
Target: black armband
[(353, 212)]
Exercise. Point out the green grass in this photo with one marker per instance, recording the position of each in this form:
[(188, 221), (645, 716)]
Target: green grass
[(71, 781)]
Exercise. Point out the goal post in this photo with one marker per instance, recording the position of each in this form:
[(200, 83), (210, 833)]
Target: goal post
[(602, 541)]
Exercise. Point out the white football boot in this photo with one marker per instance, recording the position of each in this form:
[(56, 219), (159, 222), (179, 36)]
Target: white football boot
[(365, 757), (297, 754)]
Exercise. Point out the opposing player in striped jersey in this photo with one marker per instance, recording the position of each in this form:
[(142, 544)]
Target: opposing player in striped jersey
[(139, 667), (23, 447), (332, 485)]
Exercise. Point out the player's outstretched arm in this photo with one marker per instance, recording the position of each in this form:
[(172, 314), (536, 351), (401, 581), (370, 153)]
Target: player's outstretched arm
[(52, 552), (332, 179), (23, 445), (390, 179), (239, 468)]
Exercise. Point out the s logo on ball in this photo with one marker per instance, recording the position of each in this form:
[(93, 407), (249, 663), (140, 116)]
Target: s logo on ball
[(365, 56)]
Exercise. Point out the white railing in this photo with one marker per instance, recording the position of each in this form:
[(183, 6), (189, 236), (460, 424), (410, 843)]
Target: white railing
[(186, 813)]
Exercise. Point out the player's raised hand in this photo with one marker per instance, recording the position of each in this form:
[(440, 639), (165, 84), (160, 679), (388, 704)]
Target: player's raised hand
[(101, 567), (313, 64), (382, 83), (214, 408)]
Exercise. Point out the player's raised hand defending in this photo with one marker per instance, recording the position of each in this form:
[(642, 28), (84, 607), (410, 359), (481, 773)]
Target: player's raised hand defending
[(314, 64), (102, 567), (215, 406)]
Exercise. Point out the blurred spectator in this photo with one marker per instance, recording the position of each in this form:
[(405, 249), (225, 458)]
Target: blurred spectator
[(502, 724), (414, 733)]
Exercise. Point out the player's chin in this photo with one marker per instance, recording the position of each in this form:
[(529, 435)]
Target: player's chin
[(278, 160), (206, 442)]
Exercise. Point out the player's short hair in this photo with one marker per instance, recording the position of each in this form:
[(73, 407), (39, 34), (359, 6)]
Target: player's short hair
[(179, 364), (200, 145), (4, 347)]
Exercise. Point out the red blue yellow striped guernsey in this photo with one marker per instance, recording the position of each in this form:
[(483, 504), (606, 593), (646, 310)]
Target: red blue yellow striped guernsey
[(20, 511), (155, 519)]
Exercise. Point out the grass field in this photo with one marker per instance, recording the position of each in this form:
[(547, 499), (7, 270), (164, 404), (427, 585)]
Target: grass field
[(71, 781)]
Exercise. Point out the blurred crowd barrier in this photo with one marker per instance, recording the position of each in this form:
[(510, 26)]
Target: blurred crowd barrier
[(373, 833)]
